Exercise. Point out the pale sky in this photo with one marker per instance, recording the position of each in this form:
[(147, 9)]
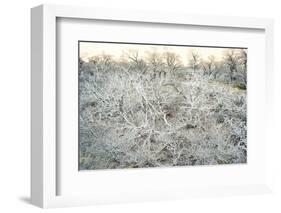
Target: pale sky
[(89, 49)]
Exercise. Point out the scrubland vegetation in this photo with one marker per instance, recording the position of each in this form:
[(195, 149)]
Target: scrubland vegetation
[(155, 111)]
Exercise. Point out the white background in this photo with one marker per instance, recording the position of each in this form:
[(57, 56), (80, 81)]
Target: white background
[(15, 98)]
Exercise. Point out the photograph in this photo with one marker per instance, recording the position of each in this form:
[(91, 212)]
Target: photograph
[(161, 105)]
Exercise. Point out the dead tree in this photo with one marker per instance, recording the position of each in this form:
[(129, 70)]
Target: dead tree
[(102, 62), (243, 61), (137, 61), (172, 62), (194, 60), (133, 56), (156, 63), (209, 65), (231, 63)]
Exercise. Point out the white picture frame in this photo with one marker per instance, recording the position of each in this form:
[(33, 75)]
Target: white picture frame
[(44, 149)]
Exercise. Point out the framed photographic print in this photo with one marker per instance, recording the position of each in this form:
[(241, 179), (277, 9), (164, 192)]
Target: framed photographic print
[(130, 106)]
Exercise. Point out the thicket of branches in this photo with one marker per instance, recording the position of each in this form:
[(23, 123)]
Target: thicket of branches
[(154, 111)]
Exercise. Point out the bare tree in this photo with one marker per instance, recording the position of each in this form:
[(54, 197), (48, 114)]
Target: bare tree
[(102, 62), (101, 59), (243, 61), (243, 58), (106, 59), (194, 60), (133, 56), (218, 68), (209, 65), (94, 59), (138, 62), (155, 61), (172, 61), (231, 63)]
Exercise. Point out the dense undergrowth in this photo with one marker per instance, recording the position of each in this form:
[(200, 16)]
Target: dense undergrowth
[(137, 113)]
